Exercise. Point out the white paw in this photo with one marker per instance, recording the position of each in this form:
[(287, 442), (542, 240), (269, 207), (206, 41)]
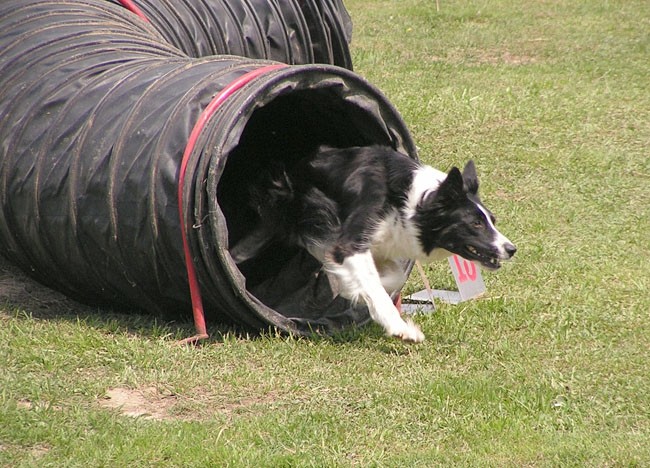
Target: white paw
[(409, 332)]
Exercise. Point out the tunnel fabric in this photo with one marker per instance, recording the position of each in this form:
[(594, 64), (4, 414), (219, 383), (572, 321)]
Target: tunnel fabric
[(96, 108)]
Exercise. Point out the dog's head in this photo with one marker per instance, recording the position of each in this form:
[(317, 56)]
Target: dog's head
[(453, 218)]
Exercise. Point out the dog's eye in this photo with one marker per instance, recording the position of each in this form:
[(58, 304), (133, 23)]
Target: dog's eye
[(478, 224)]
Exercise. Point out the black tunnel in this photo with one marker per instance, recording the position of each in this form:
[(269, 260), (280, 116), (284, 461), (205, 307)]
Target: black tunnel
[(96, 113)]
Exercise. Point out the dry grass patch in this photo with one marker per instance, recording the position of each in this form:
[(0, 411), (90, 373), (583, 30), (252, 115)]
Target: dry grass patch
[(477, 56)]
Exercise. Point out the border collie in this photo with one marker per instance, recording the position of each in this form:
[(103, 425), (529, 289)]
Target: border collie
[(362, 211)]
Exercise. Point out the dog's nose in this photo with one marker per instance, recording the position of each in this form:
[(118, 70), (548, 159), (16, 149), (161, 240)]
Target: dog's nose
[(510, 249)]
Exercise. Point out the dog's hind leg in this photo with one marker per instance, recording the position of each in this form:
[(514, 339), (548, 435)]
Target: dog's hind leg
[(251, 245), (391, 274), (359, 281)]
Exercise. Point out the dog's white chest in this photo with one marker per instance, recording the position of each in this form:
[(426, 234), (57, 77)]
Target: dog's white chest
[(395, 238)]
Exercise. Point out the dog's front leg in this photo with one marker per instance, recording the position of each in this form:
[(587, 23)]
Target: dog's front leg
[(359, 281)]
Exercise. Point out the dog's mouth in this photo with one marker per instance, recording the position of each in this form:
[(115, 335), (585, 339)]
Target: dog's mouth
[(491, 261)]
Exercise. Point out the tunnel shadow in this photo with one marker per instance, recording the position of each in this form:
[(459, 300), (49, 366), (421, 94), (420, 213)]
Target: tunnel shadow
[(21, 295)]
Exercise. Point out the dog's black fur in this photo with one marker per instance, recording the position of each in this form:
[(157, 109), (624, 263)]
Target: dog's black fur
[(333, 196)]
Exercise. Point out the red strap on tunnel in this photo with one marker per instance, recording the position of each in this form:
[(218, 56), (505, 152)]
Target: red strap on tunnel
[(220, 98), (133, 8)]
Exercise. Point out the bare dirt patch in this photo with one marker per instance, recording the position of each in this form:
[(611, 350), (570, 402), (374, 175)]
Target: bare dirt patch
[(147, 403), (151, 403)]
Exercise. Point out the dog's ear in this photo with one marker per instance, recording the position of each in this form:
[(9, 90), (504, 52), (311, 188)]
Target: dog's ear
[(452, 187), (470, 178)]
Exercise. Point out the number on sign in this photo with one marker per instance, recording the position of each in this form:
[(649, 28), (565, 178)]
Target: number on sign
[(466, 269)]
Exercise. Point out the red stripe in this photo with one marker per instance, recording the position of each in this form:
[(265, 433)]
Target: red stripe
[(220, 98), (132, 7)]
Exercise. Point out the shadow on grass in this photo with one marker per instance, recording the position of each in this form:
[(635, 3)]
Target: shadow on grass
[(21, 295)]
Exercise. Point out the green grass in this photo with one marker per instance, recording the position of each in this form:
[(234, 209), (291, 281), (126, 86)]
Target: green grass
[(550, 368)]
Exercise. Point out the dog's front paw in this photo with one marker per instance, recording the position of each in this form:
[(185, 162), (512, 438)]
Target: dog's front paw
[(410, 333)]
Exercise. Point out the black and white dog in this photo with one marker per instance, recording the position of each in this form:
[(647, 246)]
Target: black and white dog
[(361, 210)]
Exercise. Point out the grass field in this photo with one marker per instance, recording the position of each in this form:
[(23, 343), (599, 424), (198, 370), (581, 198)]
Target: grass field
[(550, 368)]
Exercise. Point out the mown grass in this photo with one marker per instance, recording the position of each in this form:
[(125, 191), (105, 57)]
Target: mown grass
[(550, 368)]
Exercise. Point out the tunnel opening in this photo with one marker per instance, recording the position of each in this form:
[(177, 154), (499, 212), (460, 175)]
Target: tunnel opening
[(290, 127)]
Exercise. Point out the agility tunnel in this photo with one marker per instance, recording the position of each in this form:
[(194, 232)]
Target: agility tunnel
[(289, 31), (123, 162)]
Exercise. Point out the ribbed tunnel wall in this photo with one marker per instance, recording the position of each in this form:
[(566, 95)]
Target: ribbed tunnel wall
[(289, 31), (96, 113)]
